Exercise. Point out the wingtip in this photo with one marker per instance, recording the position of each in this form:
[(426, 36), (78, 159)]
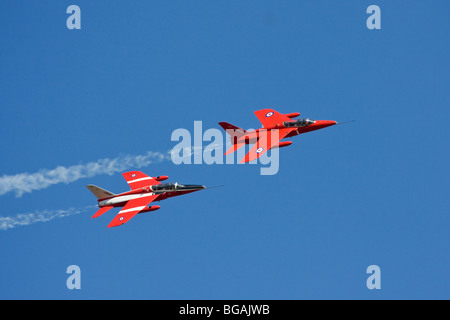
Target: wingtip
[(228, 152), (111, 225)]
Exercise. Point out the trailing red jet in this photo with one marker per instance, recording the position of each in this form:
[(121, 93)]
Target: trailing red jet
[(144, 190), (276, 126)]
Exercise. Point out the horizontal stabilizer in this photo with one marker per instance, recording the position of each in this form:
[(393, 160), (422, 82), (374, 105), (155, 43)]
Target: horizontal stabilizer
[(234, 147), (102, 211)]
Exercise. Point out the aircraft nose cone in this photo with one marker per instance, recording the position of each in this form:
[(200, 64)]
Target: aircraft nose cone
[(329, 122), (325, 123), (198, 187)]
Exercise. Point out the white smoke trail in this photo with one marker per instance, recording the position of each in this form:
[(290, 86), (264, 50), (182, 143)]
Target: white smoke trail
[(25, 219), (27, 182)]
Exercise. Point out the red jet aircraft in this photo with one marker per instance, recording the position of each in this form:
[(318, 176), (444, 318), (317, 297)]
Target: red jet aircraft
[(276, 126), (144, 190)]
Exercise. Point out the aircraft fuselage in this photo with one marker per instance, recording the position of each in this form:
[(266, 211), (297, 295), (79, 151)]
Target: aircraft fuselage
[(251, 137), (121, 199)]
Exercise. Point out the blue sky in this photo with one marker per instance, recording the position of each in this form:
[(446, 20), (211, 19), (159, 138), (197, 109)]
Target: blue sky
[(346, 197)]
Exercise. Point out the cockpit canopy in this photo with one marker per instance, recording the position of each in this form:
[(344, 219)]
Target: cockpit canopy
[(170, 187), (166, 187), (298, 123)]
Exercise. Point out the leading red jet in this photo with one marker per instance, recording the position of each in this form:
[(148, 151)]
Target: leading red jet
[(144, 190), (276, 126)]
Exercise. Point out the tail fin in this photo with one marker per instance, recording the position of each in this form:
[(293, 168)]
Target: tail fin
[(99, 192), (235, 133), (231, 128)]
